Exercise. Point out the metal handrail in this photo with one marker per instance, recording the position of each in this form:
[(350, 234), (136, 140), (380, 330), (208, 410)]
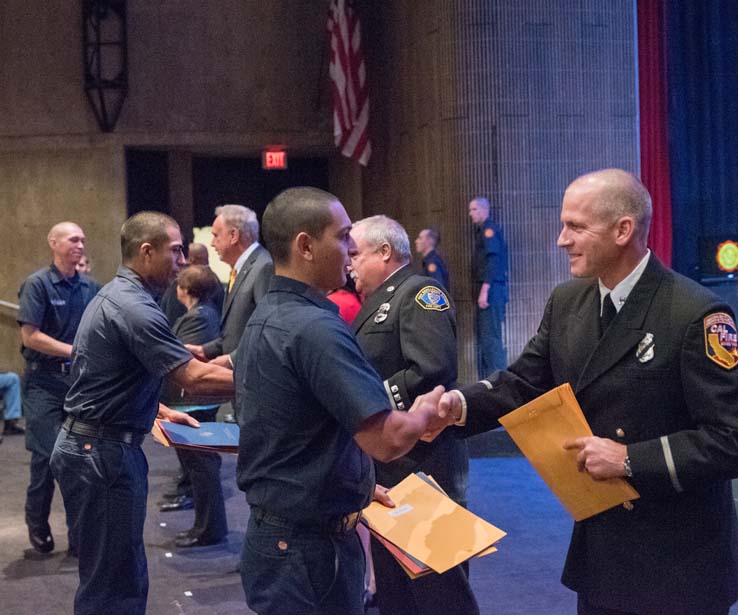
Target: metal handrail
[(7, 304)]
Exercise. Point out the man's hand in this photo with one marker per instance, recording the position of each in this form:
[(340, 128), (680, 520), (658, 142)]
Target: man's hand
[(482, 301), (447, 412), (223, 360), (599, 457), (174, 416), (197, 352), (381, 496)]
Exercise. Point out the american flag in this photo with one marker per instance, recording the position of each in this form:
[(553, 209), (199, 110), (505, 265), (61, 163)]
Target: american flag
[(348, 76)]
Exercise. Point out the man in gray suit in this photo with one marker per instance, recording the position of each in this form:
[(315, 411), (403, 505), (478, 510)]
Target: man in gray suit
[(235, 239)]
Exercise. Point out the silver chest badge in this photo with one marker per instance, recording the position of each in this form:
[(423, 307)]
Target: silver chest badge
[(382, 313), (645, 348)]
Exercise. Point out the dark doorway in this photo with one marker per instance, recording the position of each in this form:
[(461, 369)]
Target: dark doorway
[(147, 181), (217, 181)]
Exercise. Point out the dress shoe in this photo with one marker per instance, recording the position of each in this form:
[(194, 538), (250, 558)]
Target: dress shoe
[(179, 503), (13, 429), (42, 544), (195, 541)]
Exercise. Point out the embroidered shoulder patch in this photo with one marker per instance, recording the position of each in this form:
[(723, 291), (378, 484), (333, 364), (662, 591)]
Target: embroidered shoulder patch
[(432, 298), (489, 233), (721, 339), (432, 267)]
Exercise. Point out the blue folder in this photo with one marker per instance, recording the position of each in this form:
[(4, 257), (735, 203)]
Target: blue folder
[(222, 437)]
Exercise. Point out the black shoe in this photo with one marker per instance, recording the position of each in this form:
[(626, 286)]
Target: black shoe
[(13, 429), (196, 541), (179, 503), (42, 544)]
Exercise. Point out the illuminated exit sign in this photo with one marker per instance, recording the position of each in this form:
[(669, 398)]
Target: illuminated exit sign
[(274, 160)]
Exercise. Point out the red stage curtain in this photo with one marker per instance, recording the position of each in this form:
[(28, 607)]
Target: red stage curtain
[(654, 139)]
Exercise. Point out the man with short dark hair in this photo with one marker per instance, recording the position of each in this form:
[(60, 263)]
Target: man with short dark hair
[(311, 411), (433, 265), (652, 357), (489, 281), (51, 304), (123, 349)]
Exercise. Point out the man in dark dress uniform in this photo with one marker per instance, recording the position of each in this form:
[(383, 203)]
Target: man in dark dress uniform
[(433, 265), (652, 357), (407, 329), (489, 280)]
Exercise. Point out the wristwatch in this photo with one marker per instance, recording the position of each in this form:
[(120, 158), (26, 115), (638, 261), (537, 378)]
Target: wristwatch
[(626, 467)]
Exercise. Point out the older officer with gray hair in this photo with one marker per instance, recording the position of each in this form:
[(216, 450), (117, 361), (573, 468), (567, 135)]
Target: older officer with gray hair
[(407, 329)]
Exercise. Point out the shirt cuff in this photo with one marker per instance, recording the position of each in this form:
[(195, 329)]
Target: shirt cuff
[(461, 422)]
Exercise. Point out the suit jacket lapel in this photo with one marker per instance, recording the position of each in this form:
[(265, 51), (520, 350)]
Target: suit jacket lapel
[(626, 330)]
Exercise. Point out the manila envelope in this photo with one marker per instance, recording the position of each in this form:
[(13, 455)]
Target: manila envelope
[(430, 526), (540, 428)]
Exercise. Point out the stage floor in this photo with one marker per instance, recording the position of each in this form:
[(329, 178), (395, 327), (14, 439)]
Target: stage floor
[(522, 578)]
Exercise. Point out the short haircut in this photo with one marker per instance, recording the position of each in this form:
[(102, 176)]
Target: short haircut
[(623, 194), (199, 281), (294, 211), (434, 235), (198, 254), (483, 201), (144, 227), (242, 219), (378, 230)]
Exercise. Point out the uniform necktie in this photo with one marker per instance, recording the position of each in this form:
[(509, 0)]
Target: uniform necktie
[(231, 279), (608, 313)]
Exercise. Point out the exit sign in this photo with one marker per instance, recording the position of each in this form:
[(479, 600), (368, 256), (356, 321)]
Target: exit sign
[(274, 160)]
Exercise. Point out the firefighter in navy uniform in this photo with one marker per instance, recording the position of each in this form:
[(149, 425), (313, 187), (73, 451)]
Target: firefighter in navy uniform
[(407, 329)]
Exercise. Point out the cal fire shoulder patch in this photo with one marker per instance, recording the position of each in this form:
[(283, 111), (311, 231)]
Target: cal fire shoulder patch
[(432, 298), (432, 268), (489, 233), (721, 339)]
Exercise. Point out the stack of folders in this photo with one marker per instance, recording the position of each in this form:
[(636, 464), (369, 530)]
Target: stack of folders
[(215, 437), (427, 531)]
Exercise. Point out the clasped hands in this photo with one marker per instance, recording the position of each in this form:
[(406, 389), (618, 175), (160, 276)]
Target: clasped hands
[(440, 408)]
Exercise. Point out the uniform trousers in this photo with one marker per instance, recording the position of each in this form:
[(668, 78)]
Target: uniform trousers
[(203, 470), (491, 352), (104, 484), (43, 407), (289, 569)]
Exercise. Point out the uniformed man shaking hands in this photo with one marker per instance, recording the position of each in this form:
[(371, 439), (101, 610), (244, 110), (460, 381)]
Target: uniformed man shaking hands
[(653, 359), (312, 411)]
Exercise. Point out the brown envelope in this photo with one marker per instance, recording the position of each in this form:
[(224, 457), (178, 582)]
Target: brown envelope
[(430, 526), (540, 428)]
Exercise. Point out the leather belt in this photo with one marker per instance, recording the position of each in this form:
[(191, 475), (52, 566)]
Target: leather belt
[(62, 367), (335, 525), (104, 432)]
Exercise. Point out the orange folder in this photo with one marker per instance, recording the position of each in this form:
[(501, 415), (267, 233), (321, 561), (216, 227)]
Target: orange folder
[(540, 428)]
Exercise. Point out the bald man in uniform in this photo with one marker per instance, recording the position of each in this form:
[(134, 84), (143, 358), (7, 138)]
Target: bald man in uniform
[(51, 304)]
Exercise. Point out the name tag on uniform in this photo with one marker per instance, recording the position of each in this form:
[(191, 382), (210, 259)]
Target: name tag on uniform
[(58, 302)]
